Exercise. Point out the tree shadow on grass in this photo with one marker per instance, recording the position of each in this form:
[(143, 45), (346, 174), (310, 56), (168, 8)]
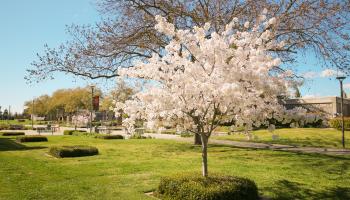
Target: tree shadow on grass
[(313, 155), (8, 144), (286, 190)]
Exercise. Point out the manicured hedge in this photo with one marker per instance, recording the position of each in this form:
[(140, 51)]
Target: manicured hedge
[(88, 134), (4, 126), (11, 133), (186, 134), (71, 132), (195, 187), (73, 151), (31, 138), (336, 123), (108, 137), (139, 136)]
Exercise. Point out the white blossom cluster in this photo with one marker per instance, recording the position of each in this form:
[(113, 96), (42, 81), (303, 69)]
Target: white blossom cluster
[(82, 119), (205, 77)]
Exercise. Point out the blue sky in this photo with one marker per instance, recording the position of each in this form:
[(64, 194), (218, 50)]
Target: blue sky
[(25, 26)]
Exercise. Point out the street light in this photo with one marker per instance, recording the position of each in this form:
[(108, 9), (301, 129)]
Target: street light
[(33, 114), (92, 105), (341, 79)]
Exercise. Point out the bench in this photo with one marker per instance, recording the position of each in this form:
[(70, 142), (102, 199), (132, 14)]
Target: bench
[(103, 129), (16, 127), (48, 129)]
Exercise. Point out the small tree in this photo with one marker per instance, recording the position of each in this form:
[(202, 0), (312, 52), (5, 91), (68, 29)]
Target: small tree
[(205, 78), (5, 115)]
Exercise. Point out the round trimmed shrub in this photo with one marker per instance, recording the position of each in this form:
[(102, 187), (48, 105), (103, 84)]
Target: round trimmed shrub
[(68, 132), (215, 187), (73, 151), (31, 138), (11, 133), (109, 137)]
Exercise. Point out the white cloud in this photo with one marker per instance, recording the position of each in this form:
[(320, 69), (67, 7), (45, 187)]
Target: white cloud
[(310, 75), (346, 85), (330, 73)]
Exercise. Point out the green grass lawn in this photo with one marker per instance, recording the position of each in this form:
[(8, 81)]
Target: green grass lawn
[(314, 137), (15, 122), (125, 169)]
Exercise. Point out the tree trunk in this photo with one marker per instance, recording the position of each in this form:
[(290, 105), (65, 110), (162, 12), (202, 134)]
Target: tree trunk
[(197, 139), (204, 155)]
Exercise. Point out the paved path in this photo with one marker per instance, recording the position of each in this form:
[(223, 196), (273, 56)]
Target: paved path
[(253, 145), (328, 151)]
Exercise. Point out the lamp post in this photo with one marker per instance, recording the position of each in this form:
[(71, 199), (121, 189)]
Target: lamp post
[(341, 78), (33, 114), (92, 105)]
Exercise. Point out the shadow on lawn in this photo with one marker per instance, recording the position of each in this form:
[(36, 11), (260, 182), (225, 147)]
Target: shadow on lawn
[(286, 190), (307, 142), (314, 155), (7, 144)]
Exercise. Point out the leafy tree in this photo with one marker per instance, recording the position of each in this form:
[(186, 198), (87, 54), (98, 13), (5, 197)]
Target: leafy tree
[(39, 106), (62, 103), (127, 33)]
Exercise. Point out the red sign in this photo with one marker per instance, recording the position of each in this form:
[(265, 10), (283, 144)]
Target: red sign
[(96, 103)]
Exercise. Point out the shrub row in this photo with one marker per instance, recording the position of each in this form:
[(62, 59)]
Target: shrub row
[(108, 137), (194, 187), (85, 134), (336, 123), (31, 139), (73, 151), (139, 136), (4, 126), (11, 133), (186, 134), (71, 132)]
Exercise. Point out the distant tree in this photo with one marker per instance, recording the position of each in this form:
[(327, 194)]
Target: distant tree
[(39, 106), (62, 103), (5, 115)]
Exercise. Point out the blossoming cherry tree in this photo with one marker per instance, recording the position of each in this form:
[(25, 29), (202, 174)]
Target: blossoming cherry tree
[(205, 78)]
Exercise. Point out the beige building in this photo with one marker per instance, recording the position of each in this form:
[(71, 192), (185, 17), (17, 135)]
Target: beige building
[(327, 105)]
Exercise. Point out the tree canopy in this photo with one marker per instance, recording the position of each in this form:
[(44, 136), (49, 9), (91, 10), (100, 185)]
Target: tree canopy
[(205, 81), (127, 33), (63, 101)]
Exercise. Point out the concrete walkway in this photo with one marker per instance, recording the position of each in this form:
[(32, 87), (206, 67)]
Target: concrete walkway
[(279, 147), (254, 145)]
